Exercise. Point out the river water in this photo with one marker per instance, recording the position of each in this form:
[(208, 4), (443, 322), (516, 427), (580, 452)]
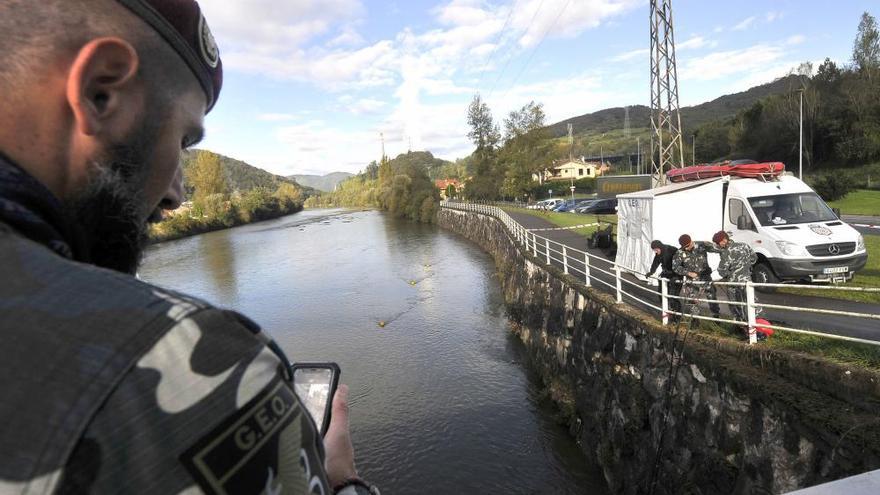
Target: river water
[(441, 400)]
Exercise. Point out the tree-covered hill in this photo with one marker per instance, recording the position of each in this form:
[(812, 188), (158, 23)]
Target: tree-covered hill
[(241, 176), (326, 182), (723, 107)]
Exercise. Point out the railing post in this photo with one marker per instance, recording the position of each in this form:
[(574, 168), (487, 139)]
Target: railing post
[(664, 304), (534, 245), (547, 249), (565, 260), (617, 283), (587, 269), (750, 310)]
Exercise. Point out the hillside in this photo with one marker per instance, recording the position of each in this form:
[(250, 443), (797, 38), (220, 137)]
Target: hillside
[(324, 183), (612, 119), (241, 176)]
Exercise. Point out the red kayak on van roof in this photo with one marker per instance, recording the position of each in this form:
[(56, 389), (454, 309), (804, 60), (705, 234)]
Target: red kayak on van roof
[(764, 170)]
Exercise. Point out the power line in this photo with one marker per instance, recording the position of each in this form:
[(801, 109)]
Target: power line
[(497, 41), (507, 62), (549, 28)]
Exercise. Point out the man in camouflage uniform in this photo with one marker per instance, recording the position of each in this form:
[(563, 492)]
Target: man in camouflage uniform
[(110, 384), (736, 264), (691, 264)]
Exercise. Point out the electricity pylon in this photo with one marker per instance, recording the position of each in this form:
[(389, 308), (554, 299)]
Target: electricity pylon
[(666, 146)]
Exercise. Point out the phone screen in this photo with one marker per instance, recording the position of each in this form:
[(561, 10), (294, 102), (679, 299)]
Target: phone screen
[(315, 385)]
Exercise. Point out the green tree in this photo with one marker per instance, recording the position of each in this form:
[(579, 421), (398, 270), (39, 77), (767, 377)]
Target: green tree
[(450, 191), (866, 47), (485, 181)]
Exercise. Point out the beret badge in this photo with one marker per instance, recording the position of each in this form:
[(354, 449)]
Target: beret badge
[(208, 45)]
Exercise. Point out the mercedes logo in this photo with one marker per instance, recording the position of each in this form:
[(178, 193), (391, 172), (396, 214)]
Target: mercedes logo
[(834, 249)]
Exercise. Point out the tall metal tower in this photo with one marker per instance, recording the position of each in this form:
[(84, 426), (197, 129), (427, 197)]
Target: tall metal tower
[(666, 146)]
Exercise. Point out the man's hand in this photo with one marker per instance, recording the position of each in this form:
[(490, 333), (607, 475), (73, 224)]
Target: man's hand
[(339, 463), (693, 275)]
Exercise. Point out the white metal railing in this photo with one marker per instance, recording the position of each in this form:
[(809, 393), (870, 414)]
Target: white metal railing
[(584, 267)]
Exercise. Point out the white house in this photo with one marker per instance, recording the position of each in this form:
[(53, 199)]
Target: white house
[(570, 169)]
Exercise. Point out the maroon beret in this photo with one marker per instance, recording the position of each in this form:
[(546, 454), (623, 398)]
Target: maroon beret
[(684, 240), (719, 236), (182, 25)]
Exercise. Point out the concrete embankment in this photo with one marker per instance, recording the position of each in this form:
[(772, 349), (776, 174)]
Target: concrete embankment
[(719, 417)]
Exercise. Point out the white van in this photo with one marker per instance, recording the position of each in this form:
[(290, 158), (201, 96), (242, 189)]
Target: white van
[(794, 233)]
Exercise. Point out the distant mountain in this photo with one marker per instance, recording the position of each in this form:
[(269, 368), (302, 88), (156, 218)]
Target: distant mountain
[(324, 183), (612, 119), (241, 176)]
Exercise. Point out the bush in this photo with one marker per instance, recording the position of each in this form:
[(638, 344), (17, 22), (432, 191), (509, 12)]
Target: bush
[(834, 186)]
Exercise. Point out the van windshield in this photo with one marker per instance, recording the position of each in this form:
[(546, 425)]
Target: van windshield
[(785, 209)]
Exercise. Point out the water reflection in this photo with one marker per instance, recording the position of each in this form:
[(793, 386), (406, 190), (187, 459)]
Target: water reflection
[(218, 263), (440, 395)]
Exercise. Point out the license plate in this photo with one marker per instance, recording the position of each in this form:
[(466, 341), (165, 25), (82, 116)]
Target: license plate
[(836, 269)]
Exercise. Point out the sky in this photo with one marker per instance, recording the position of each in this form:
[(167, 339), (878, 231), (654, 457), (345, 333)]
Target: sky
[(309, 85)]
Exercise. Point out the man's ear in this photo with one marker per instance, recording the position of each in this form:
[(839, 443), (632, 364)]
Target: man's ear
[(100, 83)]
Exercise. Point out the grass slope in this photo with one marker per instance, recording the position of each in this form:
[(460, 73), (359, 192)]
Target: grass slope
[(861, 202)]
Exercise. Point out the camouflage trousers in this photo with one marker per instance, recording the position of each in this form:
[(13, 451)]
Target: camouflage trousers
[(691, 291)]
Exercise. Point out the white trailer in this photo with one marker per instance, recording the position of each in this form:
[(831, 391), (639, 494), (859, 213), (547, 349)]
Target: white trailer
[(795, 234)]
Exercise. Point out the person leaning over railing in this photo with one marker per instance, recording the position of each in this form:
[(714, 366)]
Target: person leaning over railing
[(691, 263), (663, 256), (110, 384), (736, 263)]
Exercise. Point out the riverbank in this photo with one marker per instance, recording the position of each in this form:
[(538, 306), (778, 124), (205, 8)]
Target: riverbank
[(658, 410), (182, 225)]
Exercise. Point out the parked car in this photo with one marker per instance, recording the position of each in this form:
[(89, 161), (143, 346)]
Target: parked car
[(571, 204), (549, 204), (600, 206)]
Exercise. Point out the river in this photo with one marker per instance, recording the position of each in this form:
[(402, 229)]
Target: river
[(441, 400)]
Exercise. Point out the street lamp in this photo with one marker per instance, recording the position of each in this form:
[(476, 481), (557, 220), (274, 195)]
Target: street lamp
[(801, 138), (693, 149)]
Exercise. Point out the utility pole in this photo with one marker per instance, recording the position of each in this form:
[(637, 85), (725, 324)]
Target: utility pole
[(382, 138), (570, 143), (639, 153), (666, 147), (801, 139)]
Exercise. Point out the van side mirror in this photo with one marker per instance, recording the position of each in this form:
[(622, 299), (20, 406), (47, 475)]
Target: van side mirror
[(742, 223), (836, 212)]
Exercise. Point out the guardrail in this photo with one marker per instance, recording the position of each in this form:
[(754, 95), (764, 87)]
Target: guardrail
[(589, 268)]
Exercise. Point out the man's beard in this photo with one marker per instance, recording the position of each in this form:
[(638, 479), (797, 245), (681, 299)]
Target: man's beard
[(110, 210)]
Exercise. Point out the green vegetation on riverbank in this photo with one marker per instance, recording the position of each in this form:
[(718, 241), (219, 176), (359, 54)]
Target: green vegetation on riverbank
[(400, 186), (255, 195), (839, 351)]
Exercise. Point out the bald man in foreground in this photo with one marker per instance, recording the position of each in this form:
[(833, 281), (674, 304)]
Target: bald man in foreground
[(111, 384)]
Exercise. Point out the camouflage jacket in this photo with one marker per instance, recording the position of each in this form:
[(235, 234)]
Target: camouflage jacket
[(693, 261), (114, 385), (736, 262)]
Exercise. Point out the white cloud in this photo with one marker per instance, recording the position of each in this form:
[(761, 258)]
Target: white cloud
[(796, 39), (638, 53), (534, 18), (276, 117), (745, 23), (773, 16), (348, 36), (695, 42), (269, 26), (366, 106), (722, 64)]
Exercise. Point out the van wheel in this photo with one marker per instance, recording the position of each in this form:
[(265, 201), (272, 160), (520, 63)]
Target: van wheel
[(763, 274)]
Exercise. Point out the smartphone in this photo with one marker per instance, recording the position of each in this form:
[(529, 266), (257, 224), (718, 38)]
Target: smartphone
[(315, 384)]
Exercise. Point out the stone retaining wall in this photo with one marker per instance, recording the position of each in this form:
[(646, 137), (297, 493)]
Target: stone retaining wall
[(738, 418)]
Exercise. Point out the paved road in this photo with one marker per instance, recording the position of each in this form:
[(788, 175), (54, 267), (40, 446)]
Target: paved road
[(841, 325), (865, 224)]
